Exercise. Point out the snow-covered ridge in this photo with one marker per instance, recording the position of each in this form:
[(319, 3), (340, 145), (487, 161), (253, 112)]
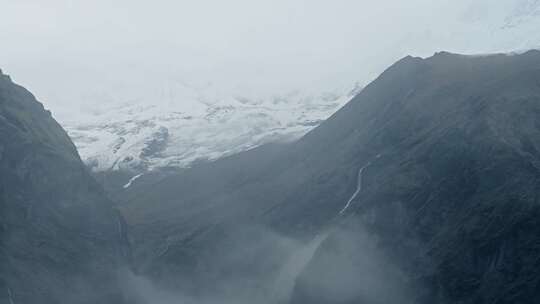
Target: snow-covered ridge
[(144, 135)]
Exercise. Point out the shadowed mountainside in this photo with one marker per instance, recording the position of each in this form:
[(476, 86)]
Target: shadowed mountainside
[(61, 241), (450, 199)]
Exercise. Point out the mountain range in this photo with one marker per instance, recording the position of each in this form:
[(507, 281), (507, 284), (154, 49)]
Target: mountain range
[(423, 188)]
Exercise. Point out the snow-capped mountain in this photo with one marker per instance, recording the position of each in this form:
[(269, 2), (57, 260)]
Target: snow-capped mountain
[(194, 126)]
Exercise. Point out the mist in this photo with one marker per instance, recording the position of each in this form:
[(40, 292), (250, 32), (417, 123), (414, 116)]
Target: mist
[(78, 56), (261, 266)]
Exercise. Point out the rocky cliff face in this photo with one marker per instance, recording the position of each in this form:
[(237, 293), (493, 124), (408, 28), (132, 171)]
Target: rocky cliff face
[(448, 209), (60, 239)]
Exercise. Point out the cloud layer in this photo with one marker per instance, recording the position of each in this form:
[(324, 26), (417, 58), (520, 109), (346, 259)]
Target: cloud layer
[(82, 53)]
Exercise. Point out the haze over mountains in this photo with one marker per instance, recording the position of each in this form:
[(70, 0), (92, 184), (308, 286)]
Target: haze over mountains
[(229, 124), (164, 111)]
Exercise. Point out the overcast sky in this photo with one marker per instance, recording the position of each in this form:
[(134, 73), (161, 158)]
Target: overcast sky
[(73, 52)]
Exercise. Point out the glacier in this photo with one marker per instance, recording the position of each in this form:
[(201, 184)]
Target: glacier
[(143, 135)]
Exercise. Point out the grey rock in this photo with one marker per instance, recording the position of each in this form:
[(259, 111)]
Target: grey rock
[(60, 240)]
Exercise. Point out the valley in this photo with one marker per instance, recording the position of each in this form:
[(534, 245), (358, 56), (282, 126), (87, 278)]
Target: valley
[(278, 152)]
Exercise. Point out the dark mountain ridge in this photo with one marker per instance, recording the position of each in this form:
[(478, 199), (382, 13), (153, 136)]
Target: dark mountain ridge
[(452, 201)]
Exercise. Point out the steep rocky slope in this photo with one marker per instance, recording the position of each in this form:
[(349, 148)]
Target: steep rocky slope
[(449, 200), (423, 188), (61, 241)]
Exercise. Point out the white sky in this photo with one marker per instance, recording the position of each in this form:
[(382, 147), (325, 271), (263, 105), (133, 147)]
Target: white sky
[(77, 53)]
